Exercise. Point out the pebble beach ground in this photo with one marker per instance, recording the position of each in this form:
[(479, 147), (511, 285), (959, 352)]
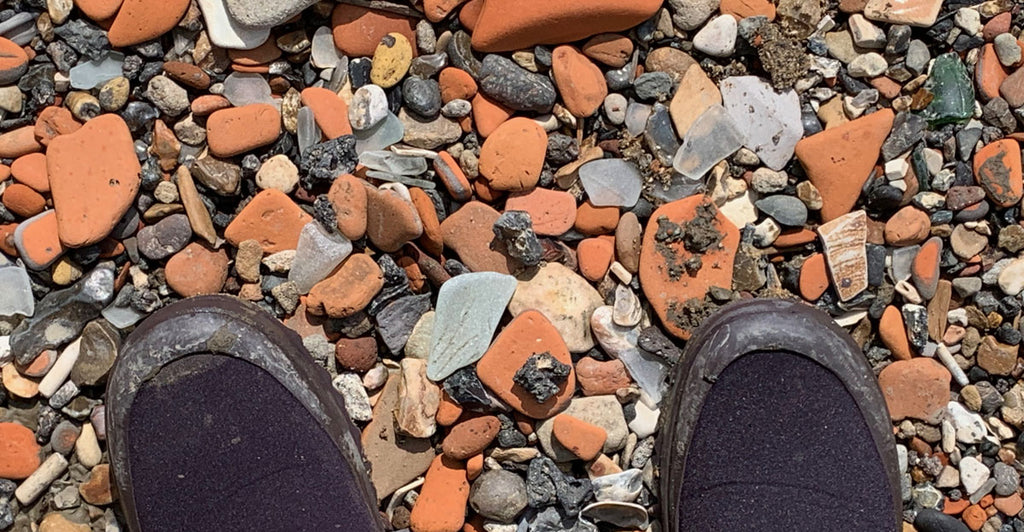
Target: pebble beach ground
[(496, 223)]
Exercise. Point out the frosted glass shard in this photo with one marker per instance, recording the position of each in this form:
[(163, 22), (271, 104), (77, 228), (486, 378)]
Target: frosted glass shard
[(385, 133), (322, 53), (17, 292), (405, 180), (611, 182), (636, 118), (771, 120), (387, 161), (712, 137), (307, 131), (89, 74), (317, 254), (244, 88)]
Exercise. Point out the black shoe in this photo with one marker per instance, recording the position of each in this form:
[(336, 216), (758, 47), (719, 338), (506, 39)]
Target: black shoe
[(219, 419), (776, 422)]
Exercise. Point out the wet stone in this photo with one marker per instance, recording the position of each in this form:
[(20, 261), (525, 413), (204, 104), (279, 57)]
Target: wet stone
[(514, 229), (61, 315)]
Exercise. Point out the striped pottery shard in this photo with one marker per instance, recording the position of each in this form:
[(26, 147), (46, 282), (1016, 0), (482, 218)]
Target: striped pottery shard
[(844, 240)]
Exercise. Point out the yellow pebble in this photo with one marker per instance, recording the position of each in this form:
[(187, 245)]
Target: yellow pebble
[(65, 272), (391, 60)]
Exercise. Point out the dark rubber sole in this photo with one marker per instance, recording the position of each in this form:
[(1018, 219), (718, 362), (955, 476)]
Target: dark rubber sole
[(759, 326), (226, 326)]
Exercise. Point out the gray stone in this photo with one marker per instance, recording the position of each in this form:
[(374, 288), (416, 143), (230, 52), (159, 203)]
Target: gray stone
[(1007, 49), (622, 343), (601, 410), (396, 322), (499, 495), (469, 307), (787, 210), (166, 237), (168, 96), (357, 403), (1007, 479), (691, 14), (515, 87)]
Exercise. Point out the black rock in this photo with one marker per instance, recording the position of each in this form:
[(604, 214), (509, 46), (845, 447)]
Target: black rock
[(387, 294), (62, 55), (898, 40), (325, 161), (250, 165), (929, 520), (514, 229), (546, 485), (139, 116), (876, 264), (619, 79), (454, 267), (509, 436), (396, 321), (514, 86), (359, 71), (907, 130), (991, 398), (37, 84), (323, 212), (7, 488), (562, 149), (542, 56), (655, 342), (422, 96), (466, 389), (46, 421), (428, 66), (541, 376), (61, 315), (86, 39)]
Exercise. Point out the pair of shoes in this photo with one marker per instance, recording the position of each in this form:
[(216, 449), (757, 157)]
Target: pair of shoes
[(218, 419)]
